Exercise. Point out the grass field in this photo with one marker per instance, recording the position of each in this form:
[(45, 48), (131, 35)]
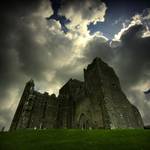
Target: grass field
[(74, 139)]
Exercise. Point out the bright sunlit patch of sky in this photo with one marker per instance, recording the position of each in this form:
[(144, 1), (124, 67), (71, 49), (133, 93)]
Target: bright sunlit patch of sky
[(118, 12)]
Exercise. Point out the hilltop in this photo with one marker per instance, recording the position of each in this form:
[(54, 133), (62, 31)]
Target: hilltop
[(75, 139)]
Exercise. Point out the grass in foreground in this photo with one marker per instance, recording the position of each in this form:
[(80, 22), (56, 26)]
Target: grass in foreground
[(75, 139)]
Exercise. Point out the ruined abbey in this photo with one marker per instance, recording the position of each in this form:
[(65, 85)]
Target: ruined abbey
[(96, 103)]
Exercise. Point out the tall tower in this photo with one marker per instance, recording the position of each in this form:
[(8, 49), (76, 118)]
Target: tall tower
[(28, 90), (111, 107)]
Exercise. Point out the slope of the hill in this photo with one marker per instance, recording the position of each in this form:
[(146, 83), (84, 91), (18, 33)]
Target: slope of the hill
[(59, 139)]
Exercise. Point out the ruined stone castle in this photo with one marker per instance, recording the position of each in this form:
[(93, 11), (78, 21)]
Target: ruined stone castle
[(96, 103)]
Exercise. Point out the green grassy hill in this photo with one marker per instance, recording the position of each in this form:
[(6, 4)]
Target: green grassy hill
[(60, 139)]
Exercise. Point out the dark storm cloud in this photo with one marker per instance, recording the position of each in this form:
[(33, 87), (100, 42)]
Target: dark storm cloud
[(23, 5), (31, 53), (99, 46), (8, 60), (133, 33), (134, 56), (12, 33)]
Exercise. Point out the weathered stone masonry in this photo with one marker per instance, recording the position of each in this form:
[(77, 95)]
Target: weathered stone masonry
[(96, 103)]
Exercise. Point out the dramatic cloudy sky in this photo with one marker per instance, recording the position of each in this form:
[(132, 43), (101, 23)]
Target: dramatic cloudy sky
[(52, 41)]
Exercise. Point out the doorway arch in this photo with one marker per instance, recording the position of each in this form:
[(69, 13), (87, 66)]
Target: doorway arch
[(83, 122)]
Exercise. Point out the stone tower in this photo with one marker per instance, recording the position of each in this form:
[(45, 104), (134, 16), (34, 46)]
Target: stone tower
[(28, 90), (104, 91), (35, 110), (97, 103)]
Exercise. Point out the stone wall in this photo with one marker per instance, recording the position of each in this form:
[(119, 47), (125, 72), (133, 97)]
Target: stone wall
[(68, 98)]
